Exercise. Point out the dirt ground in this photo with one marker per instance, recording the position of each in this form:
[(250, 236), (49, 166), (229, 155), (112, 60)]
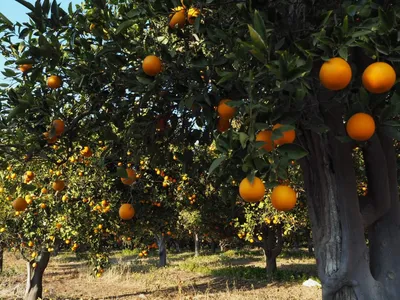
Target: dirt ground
[(66, 278)]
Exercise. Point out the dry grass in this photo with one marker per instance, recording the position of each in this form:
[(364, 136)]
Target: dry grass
[(206, 277)]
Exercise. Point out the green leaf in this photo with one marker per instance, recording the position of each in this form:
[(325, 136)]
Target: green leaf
[(215, 164), (386, 21), (259, 25), (271, 184), (293, 151), (28, 187), (26, 4), (124, 25), (23, 61), (351, 10), (257, 54), (257, 39), (8, 72), (326, 19), (144, 80), (121, 172), (5, 20), (361, 33), (251, 176), (234, 103), (228, 76), (391, 132), (343, 52), (345, 26), (243, 138), (260, 126)]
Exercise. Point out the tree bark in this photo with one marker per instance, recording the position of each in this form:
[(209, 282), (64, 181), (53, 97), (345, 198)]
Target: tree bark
[(384, 234), (34, 284), (337, 224), (1, 257), (196, 244), (213, 247), (222, 245), (162, 250), (272, 246), (310, 245)]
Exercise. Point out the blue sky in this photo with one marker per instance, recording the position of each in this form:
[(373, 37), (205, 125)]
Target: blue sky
[(17, 12)]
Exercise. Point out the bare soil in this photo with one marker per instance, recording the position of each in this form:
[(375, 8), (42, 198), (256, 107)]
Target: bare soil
[(129, 278)]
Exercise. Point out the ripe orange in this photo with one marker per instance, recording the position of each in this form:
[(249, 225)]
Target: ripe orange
[(379, 78), (25, 68), (335, 74), (225, 111), (86, 152), (193, 13), (58, 225), (58, 185), (29, 176), (59, 126), (126, 211), (360, 127), (54, 82), (178, 18), (42, 205), (252, 192), (223, 125), (19, 204), (152, 65), (131, 177), (50, 140), (287, 138), (265, 136), (283, 198)]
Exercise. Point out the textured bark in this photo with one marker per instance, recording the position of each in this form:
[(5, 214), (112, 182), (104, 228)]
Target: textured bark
[(196, 244), (34, 284), (272, 246), (384, 235), (337, 224), (162, 250)]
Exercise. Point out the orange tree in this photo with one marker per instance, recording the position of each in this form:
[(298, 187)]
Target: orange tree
[(272, 60), (49, 207), (263, 225)]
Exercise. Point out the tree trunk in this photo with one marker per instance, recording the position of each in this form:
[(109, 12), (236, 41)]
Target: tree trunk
[(337, 224), (222, 245), (177, 247), (162, 250), (1, 257), (309, 243), (196, 244), (272, 246), (34, 284), (384, 235), (213, 247)]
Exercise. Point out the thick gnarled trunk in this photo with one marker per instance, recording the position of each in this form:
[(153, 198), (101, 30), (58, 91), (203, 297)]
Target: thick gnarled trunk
[(34, 284), (272, 246), (338, 226), (384, 234)]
